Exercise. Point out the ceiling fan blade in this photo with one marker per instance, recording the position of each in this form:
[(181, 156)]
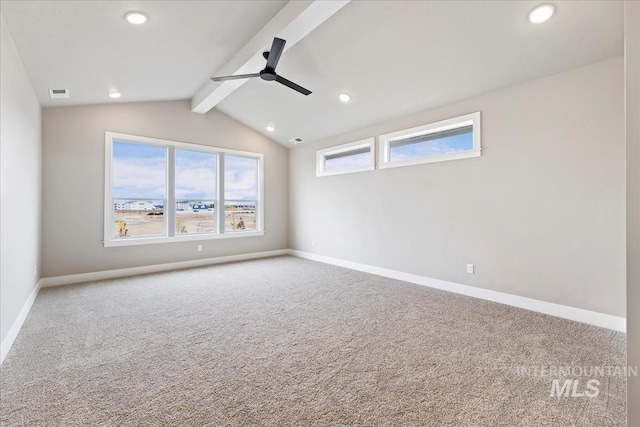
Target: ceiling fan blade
[(292, 85), (239, 76), (274, 54)]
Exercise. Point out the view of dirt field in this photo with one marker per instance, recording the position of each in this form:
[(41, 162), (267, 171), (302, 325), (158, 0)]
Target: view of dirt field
[(143, 223)]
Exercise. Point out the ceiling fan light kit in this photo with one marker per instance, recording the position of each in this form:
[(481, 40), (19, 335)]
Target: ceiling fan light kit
[(269, 73)]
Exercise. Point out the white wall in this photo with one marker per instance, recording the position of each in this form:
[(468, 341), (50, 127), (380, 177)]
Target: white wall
[(20, 180), (73, 184), (540, 214), (632, 80)]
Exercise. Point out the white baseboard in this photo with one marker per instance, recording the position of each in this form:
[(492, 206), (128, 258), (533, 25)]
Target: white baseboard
[(7, 342), (156, 268), (572, 313)]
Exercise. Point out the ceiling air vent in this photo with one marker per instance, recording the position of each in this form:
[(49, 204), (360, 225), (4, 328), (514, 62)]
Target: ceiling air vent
[(296, 140), (58, 93)]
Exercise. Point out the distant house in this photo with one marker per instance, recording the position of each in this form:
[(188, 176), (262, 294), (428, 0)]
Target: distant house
[(191, 206), (134, 206), (182, 206)]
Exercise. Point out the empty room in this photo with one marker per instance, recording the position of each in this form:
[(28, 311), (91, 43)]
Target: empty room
[(320, 213)]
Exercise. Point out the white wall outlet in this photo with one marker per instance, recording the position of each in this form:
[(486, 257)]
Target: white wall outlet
[(470, 268), (199, 248), (313, 243)]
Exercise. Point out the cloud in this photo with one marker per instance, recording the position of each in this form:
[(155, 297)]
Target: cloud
[(240, 178), (139, 171), (195, 175), (139, 178)]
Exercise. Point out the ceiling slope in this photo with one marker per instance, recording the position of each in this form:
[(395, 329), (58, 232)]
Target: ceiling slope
[(89, 48), (393, 57), (401, 57), (294, 21)]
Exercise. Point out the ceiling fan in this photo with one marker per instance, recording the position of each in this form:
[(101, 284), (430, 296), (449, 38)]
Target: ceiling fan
[(269, 72)]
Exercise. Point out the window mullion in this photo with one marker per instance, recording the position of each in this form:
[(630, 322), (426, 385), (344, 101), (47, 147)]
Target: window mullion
[(220, 195), (170, 206)]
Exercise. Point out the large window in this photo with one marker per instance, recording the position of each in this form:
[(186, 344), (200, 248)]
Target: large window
[(161, 191), (452, 139)]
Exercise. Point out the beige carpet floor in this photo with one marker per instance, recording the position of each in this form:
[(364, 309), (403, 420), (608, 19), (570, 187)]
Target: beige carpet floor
[(290, 342)]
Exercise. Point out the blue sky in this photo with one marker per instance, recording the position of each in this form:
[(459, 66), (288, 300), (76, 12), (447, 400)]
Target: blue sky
[(139, 172), (355, 161), (450, 144), (240, 178), (436, 147), (195, 175)]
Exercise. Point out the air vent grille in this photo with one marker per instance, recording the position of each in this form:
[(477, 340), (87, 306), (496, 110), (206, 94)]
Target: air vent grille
[(296, 140), (58, 93)]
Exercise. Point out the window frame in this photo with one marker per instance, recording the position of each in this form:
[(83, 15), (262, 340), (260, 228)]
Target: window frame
[(385, 140), (321, 156), (170, 234)]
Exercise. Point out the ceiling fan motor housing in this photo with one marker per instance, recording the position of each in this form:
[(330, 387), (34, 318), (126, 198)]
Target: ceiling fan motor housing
[(268, 74)]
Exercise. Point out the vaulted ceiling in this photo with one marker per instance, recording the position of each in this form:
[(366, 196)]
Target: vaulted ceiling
[(393, 58)]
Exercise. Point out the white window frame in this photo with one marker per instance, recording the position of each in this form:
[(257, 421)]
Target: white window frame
[(169, 201), (384, 141), (321, 156)]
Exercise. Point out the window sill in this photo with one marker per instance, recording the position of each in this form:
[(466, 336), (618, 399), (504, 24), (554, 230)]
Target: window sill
[(134, 241)]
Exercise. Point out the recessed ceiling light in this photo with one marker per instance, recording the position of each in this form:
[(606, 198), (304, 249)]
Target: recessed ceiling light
[(345, 97), (541, 13), (115, 95), (136, 17), (270, 128)]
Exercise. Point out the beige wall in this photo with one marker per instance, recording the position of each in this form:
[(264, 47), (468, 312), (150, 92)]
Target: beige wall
[(20, 198), (73, 183), (632, 80), (540, 214)]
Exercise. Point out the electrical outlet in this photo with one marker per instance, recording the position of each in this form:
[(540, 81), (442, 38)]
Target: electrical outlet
[(199, 248), (313, 243), (470, 268)]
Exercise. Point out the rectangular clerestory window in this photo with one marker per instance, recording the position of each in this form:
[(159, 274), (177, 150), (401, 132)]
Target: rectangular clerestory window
[(355, 156), (451, 139)]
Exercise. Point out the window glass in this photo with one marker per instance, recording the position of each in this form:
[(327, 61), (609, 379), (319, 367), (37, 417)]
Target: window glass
[(432, 144), (195, 191), (138, 170), (348, 160), (240, 178), (138, 189), (450, 139), (352, 157), (241, 192)]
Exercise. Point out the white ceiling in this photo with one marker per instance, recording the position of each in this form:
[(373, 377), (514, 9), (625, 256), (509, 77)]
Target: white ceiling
[(88, 47), (394, 58)]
